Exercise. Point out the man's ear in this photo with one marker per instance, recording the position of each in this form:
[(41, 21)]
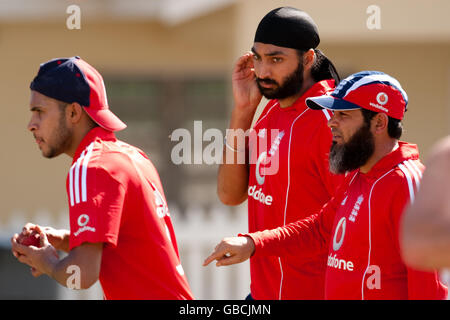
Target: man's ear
[(380, 123), (74, 112), (309, 58)]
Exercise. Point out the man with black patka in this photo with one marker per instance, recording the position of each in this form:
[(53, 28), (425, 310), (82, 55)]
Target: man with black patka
[(286, 174)]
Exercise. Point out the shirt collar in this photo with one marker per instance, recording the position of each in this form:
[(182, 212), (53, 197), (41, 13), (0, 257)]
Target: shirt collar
[(317, 89), (97, 133), (405, 151)]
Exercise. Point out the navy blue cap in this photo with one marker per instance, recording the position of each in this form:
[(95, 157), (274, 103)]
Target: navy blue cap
[(74, 80), (56, 80), (371, 90)]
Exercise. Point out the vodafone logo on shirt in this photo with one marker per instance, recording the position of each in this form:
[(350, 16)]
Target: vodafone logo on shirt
[(260, 177), (339, 234), (267, 162), (83, 221), (333, 260)]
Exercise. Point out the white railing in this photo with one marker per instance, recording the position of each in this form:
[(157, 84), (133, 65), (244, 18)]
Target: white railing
[(198, 232)]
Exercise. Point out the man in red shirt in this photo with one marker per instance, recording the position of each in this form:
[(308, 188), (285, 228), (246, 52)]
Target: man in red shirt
[(286, 174), (359, 226), (120, 227)]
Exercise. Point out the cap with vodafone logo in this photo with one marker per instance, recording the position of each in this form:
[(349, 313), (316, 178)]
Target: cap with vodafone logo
[(74, 80), (371, 90)]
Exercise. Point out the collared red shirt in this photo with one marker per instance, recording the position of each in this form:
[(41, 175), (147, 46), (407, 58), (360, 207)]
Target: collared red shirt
[(359, 228), (116, 197), (289, 179)]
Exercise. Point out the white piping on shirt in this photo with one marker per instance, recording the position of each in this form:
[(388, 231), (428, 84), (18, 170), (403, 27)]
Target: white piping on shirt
[(405, 167), (259, 120), (370, 232), (287, 192), (74, 177)]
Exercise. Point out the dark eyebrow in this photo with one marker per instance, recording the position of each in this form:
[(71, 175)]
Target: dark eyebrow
[(275, 53), (270, 54), (35, 109), (254, 51)]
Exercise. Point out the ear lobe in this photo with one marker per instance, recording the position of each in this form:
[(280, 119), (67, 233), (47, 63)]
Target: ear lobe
[(381, 122), (308, 58)]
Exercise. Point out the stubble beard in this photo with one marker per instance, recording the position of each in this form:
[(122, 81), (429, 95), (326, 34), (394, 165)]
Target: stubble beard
[(61, 140)]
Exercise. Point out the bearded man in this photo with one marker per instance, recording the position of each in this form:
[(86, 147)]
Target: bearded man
[(284, 169), (359, 226)]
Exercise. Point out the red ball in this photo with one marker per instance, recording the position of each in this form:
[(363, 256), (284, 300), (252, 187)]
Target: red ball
[(32, 239)]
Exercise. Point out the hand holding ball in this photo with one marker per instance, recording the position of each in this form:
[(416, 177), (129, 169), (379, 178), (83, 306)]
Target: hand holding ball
[(30, 239)]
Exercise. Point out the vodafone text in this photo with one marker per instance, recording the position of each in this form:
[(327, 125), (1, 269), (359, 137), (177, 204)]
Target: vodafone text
[(372, 273), (260, 196), (337, 263)]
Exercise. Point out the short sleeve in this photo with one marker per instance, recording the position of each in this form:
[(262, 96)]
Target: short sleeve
[(95, 207)]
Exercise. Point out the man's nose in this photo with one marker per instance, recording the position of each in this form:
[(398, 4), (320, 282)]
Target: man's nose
[(32, 125), (332, 123), (262, 71)]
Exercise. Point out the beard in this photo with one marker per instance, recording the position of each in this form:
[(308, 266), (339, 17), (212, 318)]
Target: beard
[(354, 153), (291, 85), (61, 139)]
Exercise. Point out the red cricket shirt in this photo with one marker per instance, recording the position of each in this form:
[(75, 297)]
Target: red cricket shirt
[(116, 197), (289, 179), (360, 229)]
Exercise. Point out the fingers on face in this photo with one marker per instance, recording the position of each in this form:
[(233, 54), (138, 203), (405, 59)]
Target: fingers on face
[(245, 61)]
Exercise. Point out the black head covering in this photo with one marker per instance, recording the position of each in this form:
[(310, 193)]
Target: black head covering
[(293, 28), (288, 27)]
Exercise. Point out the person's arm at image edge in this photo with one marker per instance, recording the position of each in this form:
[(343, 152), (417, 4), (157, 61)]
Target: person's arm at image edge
[(425, 238)]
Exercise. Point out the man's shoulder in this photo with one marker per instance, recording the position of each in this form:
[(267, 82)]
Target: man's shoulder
[(108, 158), (403, 180)]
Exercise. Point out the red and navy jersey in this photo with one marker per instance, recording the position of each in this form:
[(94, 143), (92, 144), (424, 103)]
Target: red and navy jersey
[(116, 197), (289, 179), (360, 229)]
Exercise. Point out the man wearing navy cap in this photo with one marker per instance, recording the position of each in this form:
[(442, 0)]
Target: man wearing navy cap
[(359, 226), (120, 228)]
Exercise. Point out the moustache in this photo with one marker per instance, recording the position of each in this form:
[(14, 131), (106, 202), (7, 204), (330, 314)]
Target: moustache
[(266, 81)]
